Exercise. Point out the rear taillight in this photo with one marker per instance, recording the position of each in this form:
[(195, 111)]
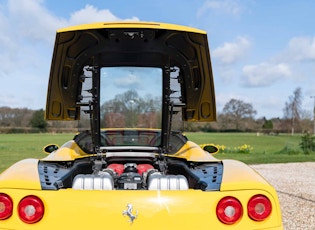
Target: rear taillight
[(259, 207), (229, 210), (31, 209), (6, 206)]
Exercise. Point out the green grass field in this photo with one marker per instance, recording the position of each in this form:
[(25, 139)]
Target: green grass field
[(282, 148), (266, 149), (14, 147)]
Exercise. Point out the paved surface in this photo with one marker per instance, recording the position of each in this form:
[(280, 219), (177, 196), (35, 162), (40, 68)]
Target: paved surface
[(295, 184)]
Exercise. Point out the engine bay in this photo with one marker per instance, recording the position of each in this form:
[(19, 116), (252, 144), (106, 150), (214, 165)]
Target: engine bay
[(129, 176), (137, 173)]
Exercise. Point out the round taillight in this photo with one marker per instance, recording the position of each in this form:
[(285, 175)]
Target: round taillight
[(6, 206), (259, 207), (229, 210), (31, 209)]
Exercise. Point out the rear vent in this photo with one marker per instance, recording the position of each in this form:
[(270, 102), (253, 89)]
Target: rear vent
[(50, 175), (210, 176)]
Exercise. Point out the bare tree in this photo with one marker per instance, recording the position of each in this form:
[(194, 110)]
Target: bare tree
[(15, 117), (236, 110), (293, 108), (131, 110)]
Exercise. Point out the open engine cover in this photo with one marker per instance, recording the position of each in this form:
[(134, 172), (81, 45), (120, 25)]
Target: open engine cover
[(131, 44)]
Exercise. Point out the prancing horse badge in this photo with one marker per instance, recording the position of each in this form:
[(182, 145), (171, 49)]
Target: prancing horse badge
[(128, 212)]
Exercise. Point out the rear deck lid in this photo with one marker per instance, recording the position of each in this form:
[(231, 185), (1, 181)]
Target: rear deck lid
[(143, 44)]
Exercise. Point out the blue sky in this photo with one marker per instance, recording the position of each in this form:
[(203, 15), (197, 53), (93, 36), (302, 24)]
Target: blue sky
[(261, 50)]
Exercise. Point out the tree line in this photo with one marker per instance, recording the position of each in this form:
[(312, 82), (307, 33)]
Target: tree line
[(236, 116), (23, 120)]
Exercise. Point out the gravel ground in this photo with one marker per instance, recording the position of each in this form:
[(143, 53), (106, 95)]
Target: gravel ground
[(295, 185)]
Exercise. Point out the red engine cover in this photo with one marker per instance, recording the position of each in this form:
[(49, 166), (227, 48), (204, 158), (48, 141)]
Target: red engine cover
[(143, 168), (118, 168)]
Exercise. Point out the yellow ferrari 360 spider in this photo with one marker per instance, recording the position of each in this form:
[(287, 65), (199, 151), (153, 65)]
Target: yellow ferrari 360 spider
[(131, 85)]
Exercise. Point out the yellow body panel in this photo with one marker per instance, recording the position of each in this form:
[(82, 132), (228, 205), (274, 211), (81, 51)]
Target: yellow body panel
[(23, 174), (192, 152), (134, 24), (67, 152), (240, 176), (193, 209)]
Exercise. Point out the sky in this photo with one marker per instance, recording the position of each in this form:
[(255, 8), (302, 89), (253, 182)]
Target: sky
[(261, 50)]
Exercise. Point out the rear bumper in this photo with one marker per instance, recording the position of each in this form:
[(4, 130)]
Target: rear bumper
[(192, 209)]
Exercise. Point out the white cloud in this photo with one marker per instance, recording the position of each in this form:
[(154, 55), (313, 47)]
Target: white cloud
[(231, 52), (29, 33), (32, 21), (265, 74), (287, 64), (233, 7), (129, 81), (26, 44), (302, 48), (92, 14)]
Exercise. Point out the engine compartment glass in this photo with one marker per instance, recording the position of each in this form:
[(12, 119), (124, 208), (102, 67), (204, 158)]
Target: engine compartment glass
[(130, 97)]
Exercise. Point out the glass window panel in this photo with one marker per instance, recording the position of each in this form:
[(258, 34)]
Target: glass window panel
[(131, 97)]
